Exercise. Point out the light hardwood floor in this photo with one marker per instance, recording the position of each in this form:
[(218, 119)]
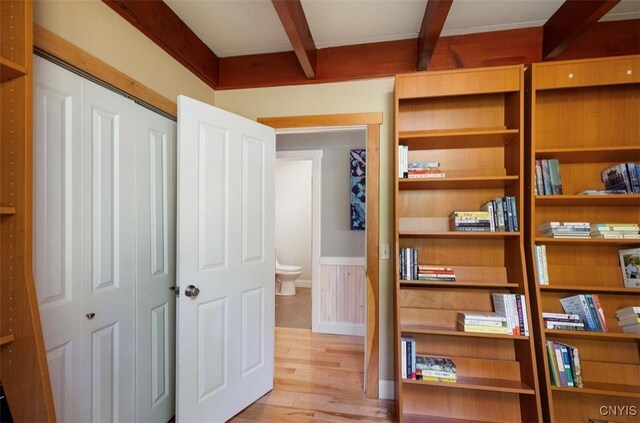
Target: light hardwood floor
[(318, 378)]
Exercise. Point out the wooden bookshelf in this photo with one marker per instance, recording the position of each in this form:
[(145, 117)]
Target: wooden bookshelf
[(471, 122), (586, 114), (23, 364)]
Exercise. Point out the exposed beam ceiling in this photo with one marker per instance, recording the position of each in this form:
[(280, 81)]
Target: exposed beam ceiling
[(295, 25), (435, 15), (158, 22), (570, 21)]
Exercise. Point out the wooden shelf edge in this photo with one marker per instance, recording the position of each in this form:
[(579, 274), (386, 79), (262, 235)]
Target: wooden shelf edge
[(451, 332), (610, 336), (587, 200), (583, 288), (585, 241), (597, 391), (479, 384), (590, 154), (7, 210), (462, 183), (6, 339), (456, 132), (460, 234), (456, 284), (10, 70), (422, 418)]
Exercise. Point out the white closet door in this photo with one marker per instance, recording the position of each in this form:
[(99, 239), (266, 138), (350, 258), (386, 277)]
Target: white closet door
[(155, 312), (57, 231), (108, 255)]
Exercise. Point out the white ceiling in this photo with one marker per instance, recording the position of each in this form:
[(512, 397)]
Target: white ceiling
[(242, 27)]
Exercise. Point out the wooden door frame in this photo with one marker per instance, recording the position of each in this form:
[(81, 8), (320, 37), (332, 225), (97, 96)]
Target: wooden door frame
[(372, 122)]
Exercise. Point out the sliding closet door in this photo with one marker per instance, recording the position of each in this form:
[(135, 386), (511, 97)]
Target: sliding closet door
[(57, 231), (155, 333), (104, 249), (108, 254)]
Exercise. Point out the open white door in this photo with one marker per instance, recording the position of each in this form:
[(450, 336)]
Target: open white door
[(225, 262)]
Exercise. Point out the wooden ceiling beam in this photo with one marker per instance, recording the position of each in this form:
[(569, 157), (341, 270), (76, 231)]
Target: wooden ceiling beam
[(158, 22), (435, 15), (570, 21), (295, 24)]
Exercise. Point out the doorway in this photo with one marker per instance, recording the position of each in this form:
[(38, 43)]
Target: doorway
[(371, 123)]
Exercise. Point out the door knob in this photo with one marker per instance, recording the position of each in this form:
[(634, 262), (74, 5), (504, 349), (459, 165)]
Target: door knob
[(191, 291), (90, 315)]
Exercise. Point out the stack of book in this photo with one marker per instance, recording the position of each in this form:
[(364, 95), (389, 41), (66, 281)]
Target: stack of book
[(623, 176), (435, 369), (514, 308), (470, 221), (435, 273), (565, 229), (541, 264), (503, 212), (564, 365), (481, 322), (548, 181), (589, 309), (629, 319), (615, 230), (562, 321), (424, 170), (408, 263)]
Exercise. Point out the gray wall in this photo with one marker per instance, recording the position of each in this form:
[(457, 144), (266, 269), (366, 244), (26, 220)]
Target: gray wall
[(338, 240)]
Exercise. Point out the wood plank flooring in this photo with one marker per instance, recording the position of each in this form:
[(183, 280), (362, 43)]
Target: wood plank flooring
[(318, 378)]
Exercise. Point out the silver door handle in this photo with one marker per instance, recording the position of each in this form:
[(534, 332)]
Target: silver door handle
[(191, 291)]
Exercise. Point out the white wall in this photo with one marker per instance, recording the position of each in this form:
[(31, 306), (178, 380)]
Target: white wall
[(374, 95), (293, 214), (97, 29)]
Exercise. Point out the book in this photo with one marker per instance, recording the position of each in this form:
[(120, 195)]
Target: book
[(484, 329), (437, 364), (541, 264), (630, 267), (546, 177), (627, 311), (539, 182), (505, 305), (577, 304), (484, 316), (554, 173)]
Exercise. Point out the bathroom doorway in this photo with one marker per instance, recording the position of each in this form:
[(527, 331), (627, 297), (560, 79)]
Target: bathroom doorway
[(371, 123)]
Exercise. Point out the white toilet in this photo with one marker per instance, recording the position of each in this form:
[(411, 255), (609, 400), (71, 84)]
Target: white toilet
[(285, 278)]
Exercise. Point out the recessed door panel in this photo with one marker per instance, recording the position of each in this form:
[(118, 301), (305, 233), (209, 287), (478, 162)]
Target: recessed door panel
[(159, 353), (105, 374), (253, 201), (213, 192), (60, 364), (158, 210), (252, 330), (212, 347)]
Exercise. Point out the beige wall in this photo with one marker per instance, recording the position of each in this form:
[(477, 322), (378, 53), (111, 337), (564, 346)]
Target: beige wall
[(375, 95), (95, 28), (101, 32)]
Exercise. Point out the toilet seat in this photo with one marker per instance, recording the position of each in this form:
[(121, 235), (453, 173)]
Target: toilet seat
[(283, 268)]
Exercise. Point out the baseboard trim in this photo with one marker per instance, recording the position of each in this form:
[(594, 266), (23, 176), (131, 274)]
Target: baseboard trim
[(386, 389), (303, 283), (340, 329)]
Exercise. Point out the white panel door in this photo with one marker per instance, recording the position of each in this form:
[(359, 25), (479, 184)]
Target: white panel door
[(225, 334), (108, 255), (155, 305), (57, 234)]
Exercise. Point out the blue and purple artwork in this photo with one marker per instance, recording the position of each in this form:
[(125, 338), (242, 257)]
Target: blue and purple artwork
[(358, 184)]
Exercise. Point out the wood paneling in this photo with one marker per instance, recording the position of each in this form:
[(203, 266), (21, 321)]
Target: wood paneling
[(342, 295)]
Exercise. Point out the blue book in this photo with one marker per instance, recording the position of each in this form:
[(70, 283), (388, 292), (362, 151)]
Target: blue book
[(566, 361), (594, 312), (546, 177), (554, 174), (633, 177)]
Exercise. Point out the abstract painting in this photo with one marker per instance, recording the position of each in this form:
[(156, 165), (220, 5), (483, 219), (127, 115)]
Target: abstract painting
[(358, 184)]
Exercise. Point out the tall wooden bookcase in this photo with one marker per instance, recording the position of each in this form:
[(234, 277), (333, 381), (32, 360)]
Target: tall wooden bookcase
[(23, 365), (471, 121), (586, 114)]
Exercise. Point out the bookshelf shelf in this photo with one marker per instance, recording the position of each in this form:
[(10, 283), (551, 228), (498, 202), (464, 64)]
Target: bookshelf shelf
[(623, 153), (461, 235), (590, 289), (480, 182), (7, 210), (452, 332), (421, 418), (466, 138), (600, 336), (632, 200), (609, 93), (6, 339), (480, 384), (453, 118), (458, 284), (585, 241), (10, 70), (595, 388)]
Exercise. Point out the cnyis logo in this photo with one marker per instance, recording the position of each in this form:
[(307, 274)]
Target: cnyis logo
[(618, 410)]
